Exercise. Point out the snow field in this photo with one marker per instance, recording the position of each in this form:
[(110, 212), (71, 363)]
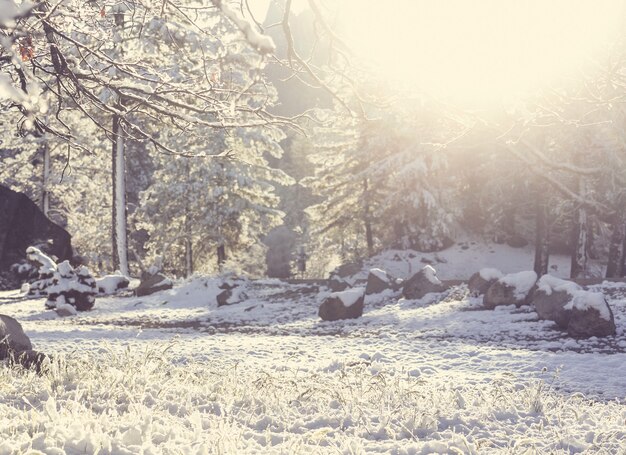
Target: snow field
[(130, 401), (172, 373)]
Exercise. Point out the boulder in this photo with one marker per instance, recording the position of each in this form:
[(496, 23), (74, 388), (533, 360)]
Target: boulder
[(111, 284), (233, 291), (512, 289), (551, 297), (551, 307), (423, 282), (337, 284), (378, 281), (343, 305), (224, 297), (481, 281), (153, 282), (23, 224), (347, 270), (12, 337), (590, 316)]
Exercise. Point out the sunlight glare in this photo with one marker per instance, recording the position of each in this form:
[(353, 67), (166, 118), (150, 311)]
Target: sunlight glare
[(480, 52)]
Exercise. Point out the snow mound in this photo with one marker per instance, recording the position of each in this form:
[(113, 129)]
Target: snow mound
[(522, 282), (350, 296), (489, 273), (549, 283), (585, 300), (109, 284)]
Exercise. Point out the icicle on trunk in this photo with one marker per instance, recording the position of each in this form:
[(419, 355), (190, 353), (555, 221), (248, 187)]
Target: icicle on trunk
[(369, 237), (542, 237), (45, 180), (616, 249), (120, 250)]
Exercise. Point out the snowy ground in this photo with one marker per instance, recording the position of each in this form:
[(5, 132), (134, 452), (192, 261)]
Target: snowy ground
[(469, 255), (172, 373)]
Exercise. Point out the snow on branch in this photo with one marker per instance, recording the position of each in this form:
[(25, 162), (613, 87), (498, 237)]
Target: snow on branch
[(10, 12), (263, 43)]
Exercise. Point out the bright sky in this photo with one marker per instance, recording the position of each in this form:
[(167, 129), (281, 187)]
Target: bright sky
[(480, 52)]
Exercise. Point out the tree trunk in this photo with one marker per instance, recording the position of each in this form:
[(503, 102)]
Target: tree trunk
[(221, 256), (188, 236), (45, 180), (369, 238), (542, 237), (579, 244), (616, 249), (119, 235), (622, 262), (188, 258)]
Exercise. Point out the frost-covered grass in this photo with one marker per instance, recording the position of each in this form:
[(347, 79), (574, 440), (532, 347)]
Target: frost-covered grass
[(439, 375), (123, 400)]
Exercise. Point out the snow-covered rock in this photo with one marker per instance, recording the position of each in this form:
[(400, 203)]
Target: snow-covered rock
[(233, 291), (337, 284), (12, 337), (423, 282), (110, 284), (348, 270), (590, 316), (480, 281), (511, 289), (153, 282), (551, 298), (378, 281), (343, 305)]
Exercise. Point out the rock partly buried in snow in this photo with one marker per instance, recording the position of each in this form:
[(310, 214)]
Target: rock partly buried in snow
[(343, 305), (591, 316), (75, 287), (337, 284), (551, 298), (111, 284), (153, 282), (224, 297), (511, 289), (346, 270), (12, 337), (378, 281), (481, 281), (423, 282), (232, 292)]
